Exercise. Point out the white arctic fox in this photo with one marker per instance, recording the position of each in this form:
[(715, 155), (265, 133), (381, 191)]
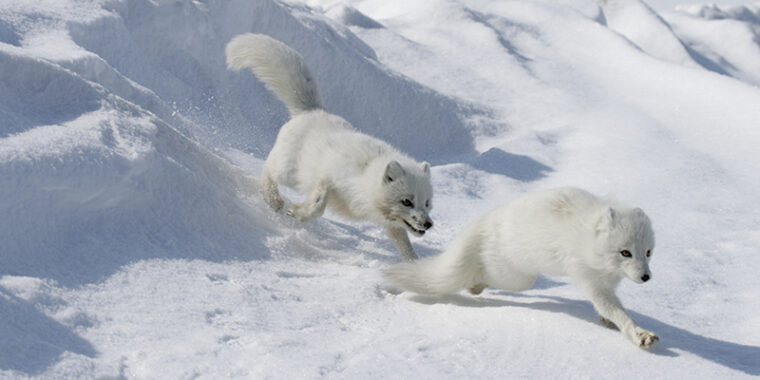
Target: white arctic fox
[(323, 157), (559, 232)]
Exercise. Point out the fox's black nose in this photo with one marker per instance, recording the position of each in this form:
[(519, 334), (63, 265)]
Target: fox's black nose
[(428, 224), (645, 278)]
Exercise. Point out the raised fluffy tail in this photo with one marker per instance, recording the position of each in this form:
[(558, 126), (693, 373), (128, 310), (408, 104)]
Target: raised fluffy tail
[(281, 68), (455, 269)]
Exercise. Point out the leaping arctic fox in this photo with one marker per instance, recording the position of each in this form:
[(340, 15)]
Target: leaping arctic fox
[(323, 157), (561, 232)]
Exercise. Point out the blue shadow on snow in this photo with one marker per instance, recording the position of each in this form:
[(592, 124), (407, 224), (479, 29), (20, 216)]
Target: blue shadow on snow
[(519, 167), (736, 356), (31, 341)]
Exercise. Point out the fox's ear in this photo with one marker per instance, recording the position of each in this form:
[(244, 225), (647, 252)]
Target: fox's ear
[(392, 172), (606, 218), (425, 168)]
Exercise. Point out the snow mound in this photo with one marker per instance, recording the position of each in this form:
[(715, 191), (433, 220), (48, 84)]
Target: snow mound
[(351, 17), (176, 50), (115, 185), (35, 92), (728, 38), (645, 28), (95, 158), (135, 244)]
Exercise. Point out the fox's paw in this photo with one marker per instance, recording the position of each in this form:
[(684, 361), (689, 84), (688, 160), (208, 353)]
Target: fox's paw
[(276, 203), (303, 212), (295, 212), (477, 289), (644, 338)]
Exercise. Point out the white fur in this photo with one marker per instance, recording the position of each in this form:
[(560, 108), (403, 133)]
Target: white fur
[(561, 232), (282, 70), (323, 157)]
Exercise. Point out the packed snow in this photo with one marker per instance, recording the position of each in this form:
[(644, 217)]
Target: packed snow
[(135, 244)]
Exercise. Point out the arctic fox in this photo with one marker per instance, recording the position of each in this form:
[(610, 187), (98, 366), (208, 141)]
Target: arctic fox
[(561, 232), (323, 157)]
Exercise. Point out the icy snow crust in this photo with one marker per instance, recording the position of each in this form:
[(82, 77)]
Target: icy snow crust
[(135, 245)]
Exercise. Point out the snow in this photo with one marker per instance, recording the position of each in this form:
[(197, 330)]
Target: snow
[(135, 244), (668, 5), (700, 26)]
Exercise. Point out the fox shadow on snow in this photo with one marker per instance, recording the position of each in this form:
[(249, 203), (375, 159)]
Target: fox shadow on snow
[(736, 356), (519, 167)]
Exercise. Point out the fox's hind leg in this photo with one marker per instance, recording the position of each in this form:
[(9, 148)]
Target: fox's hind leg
[(269, 191), (314, 206)]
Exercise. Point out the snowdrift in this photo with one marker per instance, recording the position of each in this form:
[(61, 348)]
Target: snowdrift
[(727, 38), (176, 49), (102, 108), (108, 183), (135, 244), (97, 166)]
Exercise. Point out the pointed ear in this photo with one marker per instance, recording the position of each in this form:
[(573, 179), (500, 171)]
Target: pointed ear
[(392, 172), (610, 215), (425, 168), (606, 218)]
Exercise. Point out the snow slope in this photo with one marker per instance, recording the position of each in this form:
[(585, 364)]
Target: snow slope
[(135, 244), (709, 28)]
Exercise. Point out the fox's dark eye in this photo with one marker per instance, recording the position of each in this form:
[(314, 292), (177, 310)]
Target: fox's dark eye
[(407, 203), (625, 253), (427, 204), (649, 252)]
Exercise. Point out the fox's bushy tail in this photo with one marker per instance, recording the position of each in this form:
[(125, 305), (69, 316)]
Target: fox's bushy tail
[(281, 68), (458, 267)]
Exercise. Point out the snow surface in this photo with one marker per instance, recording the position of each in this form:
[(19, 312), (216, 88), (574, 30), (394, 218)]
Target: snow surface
[(135, 244)]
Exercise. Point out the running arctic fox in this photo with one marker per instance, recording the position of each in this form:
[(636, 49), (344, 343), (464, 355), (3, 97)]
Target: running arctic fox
[(323, 157), (561, 232)]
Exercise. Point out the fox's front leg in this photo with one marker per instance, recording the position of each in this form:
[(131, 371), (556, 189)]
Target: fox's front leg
[(313, 207), (401, 240), (611, 311), (269, 190)]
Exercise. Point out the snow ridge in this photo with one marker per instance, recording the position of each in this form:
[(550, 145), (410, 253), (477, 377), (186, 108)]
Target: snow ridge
[(135, 244)]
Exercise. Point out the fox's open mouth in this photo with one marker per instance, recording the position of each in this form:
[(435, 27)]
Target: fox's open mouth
[(414, 230)]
